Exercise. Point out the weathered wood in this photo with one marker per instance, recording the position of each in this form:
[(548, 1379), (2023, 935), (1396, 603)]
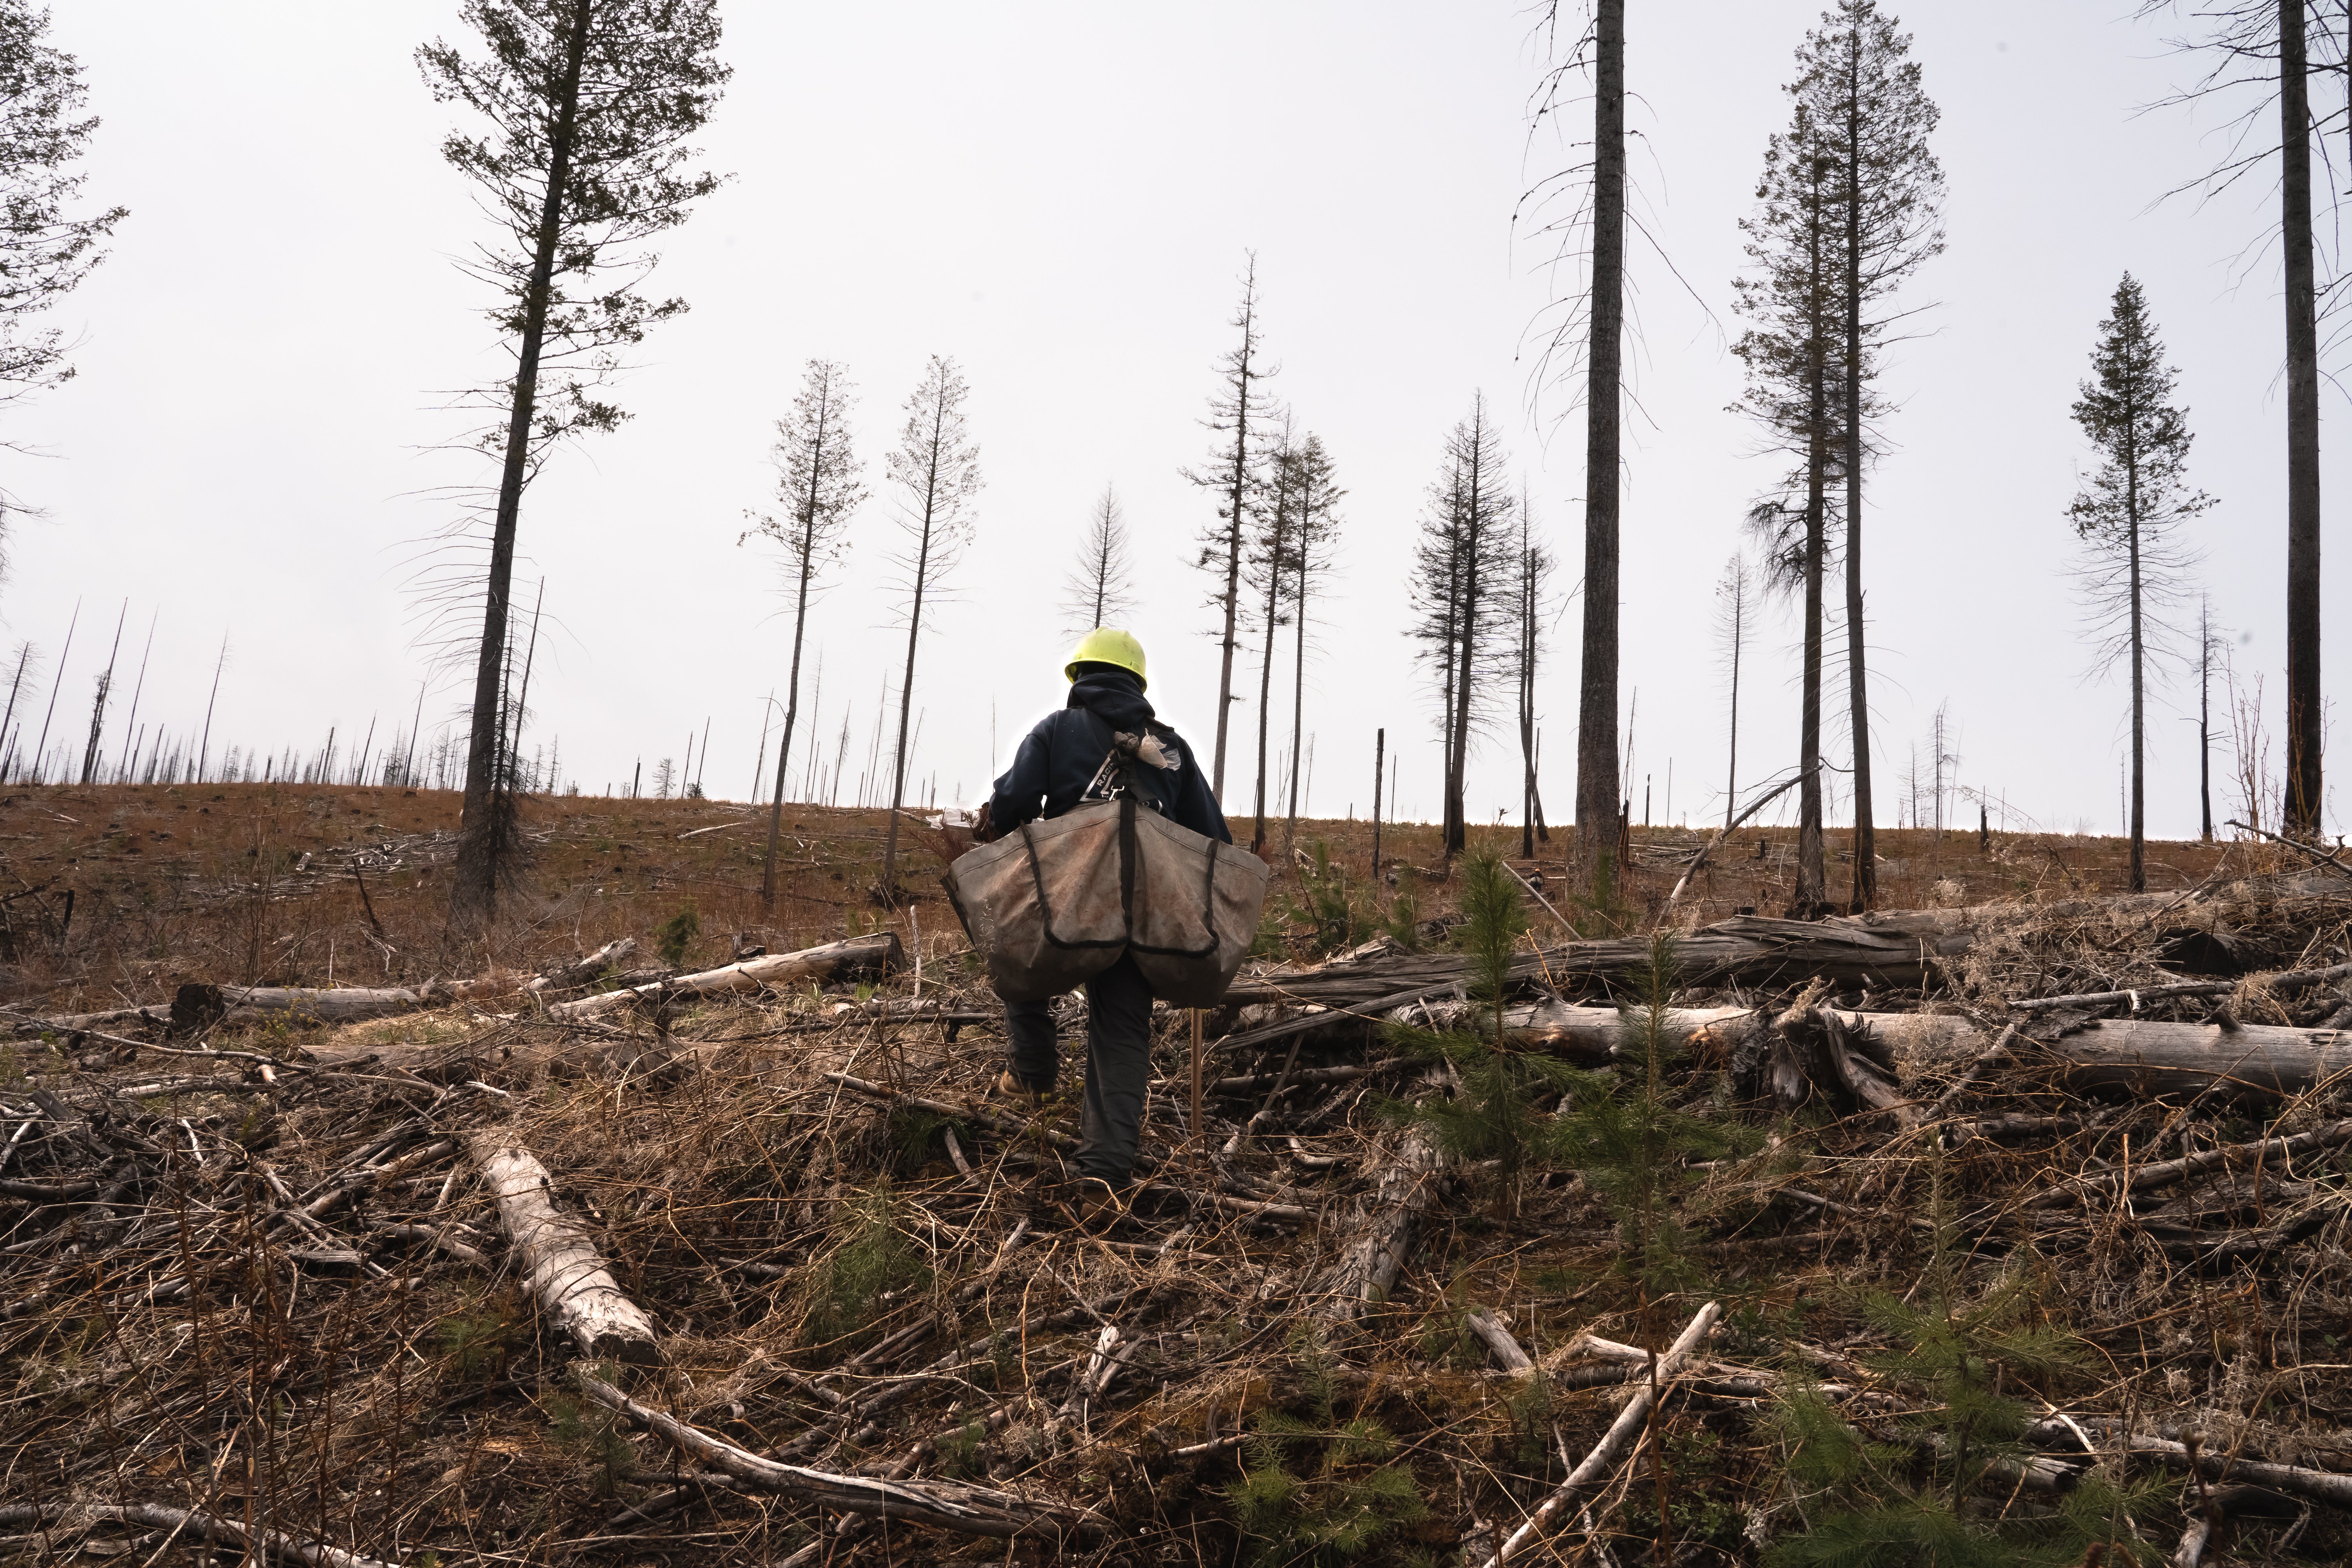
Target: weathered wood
[(196, 1528), (2290, 981), (1603, 1455), (1507, 1350), (946, 1505), (559, 1263), (1383, 1224), (857, 958), (584, 971), (1886, 951)]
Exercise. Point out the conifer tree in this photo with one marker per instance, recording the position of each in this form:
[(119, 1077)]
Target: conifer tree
[(1315, 528), (1267, 573), (1463, 588), (44, 250), (936, 468), (1533, 566), (584, 162), (2128, 512), (1100, 588), (1789, 352), (1238, 413), (1877, 120), (818, 479)]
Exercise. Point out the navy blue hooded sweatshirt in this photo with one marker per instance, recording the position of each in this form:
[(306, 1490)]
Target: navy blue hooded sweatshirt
[(1059, 758)]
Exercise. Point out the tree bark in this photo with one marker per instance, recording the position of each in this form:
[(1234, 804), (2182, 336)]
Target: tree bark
[(560, 1265), (473, 895), (1596, 728), (2304, 714)]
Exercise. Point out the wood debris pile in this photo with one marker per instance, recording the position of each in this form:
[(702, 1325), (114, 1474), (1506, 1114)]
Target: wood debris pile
[(2032, 1224)]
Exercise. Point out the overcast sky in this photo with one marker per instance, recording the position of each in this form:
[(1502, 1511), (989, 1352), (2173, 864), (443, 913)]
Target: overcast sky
[(1061, 198)]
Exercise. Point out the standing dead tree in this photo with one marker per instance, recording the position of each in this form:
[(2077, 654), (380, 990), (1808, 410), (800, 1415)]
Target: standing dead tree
[(2259, 54), (98, 708), (1237, 411), (2127, 512), (818, 478), (1100, 588), (1735, 605), (1463, 587), (937, 470), (582, 162)]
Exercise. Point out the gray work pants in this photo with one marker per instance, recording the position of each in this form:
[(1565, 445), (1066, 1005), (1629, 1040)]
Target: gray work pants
[(1118, 1065)]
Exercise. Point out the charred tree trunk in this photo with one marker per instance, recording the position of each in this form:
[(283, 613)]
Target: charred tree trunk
[(1596, 729), (2304, 714)]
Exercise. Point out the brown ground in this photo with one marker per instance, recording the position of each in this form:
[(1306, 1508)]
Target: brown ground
[(254, 884), (174, 1340)]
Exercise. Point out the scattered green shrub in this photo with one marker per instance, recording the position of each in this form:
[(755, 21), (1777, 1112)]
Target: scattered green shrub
[(676, 934), (871, 1258), (1320, 1491)]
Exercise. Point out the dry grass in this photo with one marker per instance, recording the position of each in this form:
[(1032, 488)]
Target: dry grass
[(170, 1338)]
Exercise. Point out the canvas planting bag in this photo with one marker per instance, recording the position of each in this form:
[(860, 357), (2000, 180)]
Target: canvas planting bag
[(1055, 903)]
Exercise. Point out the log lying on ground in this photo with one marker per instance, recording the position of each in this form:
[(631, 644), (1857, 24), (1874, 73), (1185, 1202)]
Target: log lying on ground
[(860, 957), (1382, 1229), (2148, 1058), (1885, 951), (586, 970), (946, 1505), (196, 1527), (559, 1263), (1892, 949)]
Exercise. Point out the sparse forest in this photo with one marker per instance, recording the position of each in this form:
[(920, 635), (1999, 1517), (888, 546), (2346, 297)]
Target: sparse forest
[(435, 1143)]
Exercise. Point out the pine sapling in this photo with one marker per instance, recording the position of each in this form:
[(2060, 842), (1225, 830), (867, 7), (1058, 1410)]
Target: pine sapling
[(1494, 1114)]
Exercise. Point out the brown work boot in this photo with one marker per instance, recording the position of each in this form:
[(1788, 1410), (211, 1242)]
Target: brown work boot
[(1028, 1096), (1091, 1203)]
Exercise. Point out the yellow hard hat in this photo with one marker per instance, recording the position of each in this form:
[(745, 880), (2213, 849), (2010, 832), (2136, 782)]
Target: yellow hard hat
[(1104, 645)]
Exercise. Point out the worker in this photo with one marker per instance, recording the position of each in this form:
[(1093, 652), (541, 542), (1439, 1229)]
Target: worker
[(1074, 757)]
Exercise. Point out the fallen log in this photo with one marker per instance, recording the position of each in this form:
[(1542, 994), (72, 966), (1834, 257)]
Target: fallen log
[(1884, 951), (198, 1527), (1892, 949), (946, 1505), (560, 1265), (2144, 1056), (858, 958), (584, 971), (1383, 1222)]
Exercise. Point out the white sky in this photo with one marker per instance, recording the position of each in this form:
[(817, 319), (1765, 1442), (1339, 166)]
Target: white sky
[(1061, 197)]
